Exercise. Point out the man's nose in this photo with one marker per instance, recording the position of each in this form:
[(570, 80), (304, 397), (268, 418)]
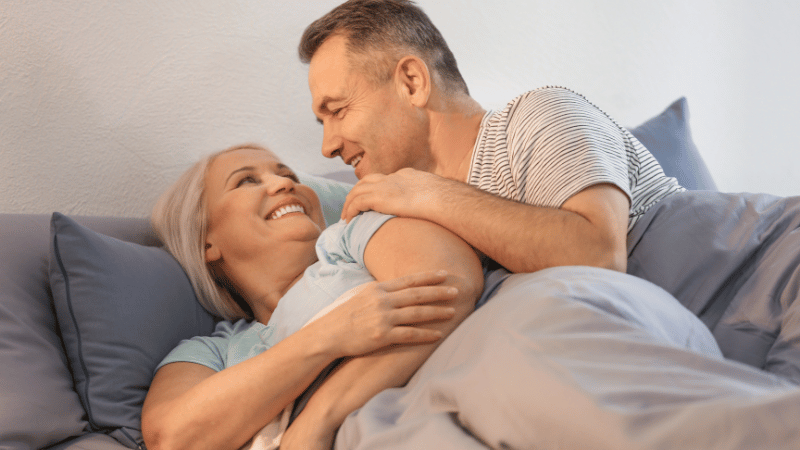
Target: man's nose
[(331, 143)]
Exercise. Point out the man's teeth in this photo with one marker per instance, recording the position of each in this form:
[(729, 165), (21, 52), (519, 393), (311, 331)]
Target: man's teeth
[(286, 210), (355, 160)]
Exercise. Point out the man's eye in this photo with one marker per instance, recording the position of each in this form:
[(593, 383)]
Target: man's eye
[(336, 112), (247, 179)]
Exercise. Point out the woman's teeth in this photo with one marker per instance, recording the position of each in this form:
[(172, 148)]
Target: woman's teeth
[(355, 161), (286, 210)]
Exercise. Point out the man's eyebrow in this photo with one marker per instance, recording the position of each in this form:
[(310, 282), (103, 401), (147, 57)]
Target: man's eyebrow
[(323, 105)]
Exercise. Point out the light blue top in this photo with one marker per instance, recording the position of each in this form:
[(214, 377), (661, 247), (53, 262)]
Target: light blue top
[(340, 250)]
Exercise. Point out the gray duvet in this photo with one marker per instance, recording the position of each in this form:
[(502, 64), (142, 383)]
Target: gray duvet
[(580, 358)]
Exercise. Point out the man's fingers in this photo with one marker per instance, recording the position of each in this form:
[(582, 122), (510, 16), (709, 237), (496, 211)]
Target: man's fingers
[(354, 204), (356, 192), (361, 197)]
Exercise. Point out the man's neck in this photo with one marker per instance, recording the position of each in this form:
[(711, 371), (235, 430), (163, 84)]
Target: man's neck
[(454, 131)]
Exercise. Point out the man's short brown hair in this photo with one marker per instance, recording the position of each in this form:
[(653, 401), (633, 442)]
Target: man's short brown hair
[(389, 30)]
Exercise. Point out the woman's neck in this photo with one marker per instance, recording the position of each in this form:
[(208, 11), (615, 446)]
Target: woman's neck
[(266, 304)]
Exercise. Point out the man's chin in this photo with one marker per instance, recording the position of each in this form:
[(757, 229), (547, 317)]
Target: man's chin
[(361, 171)]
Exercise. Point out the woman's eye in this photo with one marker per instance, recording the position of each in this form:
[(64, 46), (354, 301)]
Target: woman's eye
[(292, 176), (245, 180), (336, 112)]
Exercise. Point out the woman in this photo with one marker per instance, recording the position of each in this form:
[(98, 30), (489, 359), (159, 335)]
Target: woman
[(250, 236)]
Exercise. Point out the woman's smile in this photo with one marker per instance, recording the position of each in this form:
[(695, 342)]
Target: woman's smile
[(290, 206)]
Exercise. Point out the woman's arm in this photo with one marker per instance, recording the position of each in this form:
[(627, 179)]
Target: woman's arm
[(192, 406), (401, 245)]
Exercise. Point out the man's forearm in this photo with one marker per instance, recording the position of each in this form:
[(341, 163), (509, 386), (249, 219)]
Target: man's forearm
[(525, 238), (589, 228)]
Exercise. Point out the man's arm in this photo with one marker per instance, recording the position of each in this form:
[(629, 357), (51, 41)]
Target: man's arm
[(400, 246), (589, 229)]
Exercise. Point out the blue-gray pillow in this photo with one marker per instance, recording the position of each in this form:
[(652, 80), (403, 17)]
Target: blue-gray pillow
[(669, 139), (120, 307)]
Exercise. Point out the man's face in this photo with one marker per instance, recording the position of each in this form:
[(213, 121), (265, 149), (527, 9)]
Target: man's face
[(373, 128)]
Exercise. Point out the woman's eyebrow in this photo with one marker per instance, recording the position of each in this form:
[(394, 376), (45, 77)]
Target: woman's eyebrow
[(278, 167), (241, 169)]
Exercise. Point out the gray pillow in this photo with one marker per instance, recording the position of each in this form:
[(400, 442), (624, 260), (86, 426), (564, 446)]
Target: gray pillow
[(669, 139), (38, 406), (120, 307)]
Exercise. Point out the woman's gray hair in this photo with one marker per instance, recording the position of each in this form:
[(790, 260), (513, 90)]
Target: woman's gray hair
[(180, 219)]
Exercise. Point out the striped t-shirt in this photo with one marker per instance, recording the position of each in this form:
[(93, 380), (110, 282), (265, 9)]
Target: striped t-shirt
[(550, 143)]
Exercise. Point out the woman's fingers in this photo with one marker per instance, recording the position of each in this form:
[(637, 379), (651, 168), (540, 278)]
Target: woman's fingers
[(414, 280), (421, 295), (390, 313), (418, 288), (412, 335), (413, 315)]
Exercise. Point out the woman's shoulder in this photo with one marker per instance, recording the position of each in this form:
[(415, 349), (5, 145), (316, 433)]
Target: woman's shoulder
[(214, 351), (346, 240), (228, 328)]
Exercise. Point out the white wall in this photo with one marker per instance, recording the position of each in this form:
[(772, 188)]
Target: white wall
[(103, 104)]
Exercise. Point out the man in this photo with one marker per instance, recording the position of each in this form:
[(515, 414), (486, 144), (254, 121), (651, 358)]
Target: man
[(388, 103), (550, 180)]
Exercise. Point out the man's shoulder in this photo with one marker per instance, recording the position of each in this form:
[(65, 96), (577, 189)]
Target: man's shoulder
[(541, 106), (546, 95), (541, 100)]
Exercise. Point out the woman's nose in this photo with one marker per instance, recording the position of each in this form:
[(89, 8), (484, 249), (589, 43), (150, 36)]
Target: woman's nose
[(278, 184)]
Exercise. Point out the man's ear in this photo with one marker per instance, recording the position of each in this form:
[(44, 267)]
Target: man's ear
[(212, 253), (414, 79)]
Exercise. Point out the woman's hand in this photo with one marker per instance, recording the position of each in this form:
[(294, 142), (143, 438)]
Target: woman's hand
[(303, 435), (387, 313)]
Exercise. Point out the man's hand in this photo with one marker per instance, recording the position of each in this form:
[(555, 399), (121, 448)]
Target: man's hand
[(405, 193)]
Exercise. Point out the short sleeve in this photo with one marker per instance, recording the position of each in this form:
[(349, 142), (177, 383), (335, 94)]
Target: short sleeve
[(210, 351), (346, 242), (340, 267), (560, 144)]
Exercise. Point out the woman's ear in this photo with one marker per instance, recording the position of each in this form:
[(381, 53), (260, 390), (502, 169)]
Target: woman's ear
[(414, 79), (212, 253)]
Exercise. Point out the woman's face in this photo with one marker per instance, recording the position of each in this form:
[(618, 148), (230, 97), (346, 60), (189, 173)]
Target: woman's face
[(262, 224)]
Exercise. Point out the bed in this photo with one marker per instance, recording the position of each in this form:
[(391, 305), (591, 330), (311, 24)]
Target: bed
[(568, 357)]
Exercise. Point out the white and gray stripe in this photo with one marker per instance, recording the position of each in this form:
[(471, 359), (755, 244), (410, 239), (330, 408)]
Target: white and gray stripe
[(550, 143)]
